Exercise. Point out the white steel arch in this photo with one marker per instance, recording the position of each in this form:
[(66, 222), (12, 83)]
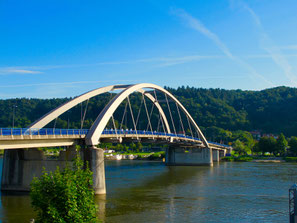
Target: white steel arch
[(101, 121), (53, 114)]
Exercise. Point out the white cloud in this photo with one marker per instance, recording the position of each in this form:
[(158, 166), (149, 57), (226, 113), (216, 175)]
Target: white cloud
[(198, 26), (162, 61), (8, 70)]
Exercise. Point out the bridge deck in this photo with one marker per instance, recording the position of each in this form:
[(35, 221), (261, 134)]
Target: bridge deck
[(13, 138)]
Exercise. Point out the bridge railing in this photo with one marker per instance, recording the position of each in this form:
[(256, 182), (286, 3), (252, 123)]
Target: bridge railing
[(43, 131), (52, 131)]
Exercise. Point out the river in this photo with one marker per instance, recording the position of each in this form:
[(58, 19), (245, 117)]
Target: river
[(144, 191)]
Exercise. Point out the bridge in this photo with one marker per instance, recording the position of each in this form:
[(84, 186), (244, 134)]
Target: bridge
[(186, 144)]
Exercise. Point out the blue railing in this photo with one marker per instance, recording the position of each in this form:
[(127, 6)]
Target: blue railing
[(51, 131)]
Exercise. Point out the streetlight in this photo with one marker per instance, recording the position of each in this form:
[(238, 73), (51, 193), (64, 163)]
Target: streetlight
[(13, 114)]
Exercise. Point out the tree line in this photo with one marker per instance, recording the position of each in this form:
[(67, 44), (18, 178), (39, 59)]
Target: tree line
[(223, 115)]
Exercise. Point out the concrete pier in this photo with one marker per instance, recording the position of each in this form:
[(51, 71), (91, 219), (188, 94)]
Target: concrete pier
[(216, 155), (95, 158), (21, 165), (177, 156)]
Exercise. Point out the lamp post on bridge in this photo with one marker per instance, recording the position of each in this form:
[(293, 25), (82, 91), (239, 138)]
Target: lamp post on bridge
[(13, 114)]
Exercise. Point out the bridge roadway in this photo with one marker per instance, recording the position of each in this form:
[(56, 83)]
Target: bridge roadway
[(18, 138)]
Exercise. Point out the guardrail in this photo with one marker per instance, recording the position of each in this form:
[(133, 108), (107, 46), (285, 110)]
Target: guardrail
[(51, 131)]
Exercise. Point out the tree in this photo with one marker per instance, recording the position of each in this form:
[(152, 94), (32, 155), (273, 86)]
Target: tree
[(267, 144), (138, 146), (293, 145), (64, 196), (240, 148), (281, 144), (256, 148)]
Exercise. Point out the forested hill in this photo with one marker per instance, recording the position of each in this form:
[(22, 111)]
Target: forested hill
[(272, 110)]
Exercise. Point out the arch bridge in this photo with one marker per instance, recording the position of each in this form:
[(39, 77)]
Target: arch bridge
[(154, 121)]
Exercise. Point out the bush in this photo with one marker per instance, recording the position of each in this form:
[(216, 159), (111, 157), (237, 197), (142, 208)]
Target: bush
[(291, 159), (228, 158), (243, 159), (64, 196), (237, 159)]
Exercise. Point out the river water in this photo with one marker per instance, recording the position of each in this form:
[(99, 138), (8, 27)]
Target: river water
[(143, 191)]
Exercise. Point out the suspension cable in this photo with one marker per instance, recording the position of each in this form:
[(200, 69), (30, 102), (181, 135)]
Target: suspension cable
[(132, 115), (137, 119), (83, 118), (181, 121), (55, 122), (125, 111), (189, 126), (159, 120), (162, 121), (170, 114), (115, 128), (151, 112), (147, 114)]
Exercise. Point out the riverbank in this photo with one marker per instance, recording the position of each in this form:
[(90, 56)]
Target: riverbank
[(157, 156), (259, 159)]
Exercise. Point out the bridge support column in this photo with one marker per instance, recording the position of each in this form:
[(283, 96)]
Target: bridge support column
[(21, 165), (216, 155), (95, 157), (222, 153), (19, 168), (177, 156)]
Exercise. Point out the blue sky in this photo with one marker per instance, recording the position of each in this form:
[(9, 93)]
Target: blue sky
[(64, 48)]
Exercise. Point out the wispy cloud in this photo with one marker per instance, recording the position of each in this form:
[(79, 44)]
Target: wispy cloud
[(68, 83), (268, 45), (197, 25), (289, 47), (16, 70), (159, 61)]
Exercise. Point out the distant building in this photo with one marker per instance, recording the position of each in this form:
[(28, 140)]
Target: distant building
[(256, 134)]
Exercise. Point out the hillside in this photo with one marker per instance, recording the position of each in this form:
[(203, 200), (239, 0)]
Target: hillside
[(272, 110)]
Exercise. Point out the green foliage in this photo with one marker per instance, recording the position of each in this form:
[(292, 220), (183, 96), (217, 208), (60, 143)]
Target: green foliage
[(272, 110), (281, 144), (240, 148), (293, 145), (243, 159), (228, 158), (64, 196), (291, 159), (237, 158), (267, 144)]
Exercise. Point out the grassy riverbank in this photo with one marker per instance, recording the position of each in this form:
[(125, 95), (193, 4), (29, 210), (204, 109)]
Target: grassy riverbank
[(259, 159)]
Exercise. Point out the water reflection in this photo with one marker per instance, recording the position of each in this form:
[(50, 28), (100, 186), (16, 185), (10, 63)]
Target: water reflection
[(151, 192), (16, 207)]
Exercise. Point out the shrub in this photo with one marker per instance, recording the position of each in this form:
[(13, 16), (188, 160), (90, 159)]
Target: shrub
[(291, 159), (64, 196), (243, 159), (228, 158)]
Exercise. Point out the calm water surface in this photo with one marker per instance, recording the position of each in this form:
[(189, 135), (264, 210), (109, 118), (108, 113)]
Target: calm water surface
[(140, 191)]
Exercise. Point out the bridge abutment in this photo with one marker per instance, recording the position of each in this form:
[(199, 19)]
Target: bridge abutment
[(178, 156)]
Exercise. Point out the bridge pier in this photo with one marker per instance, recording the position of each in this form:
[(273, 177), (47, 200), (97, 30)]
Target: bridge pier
[(216, 155), (21, 165), (95, 158), (178, 156)]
